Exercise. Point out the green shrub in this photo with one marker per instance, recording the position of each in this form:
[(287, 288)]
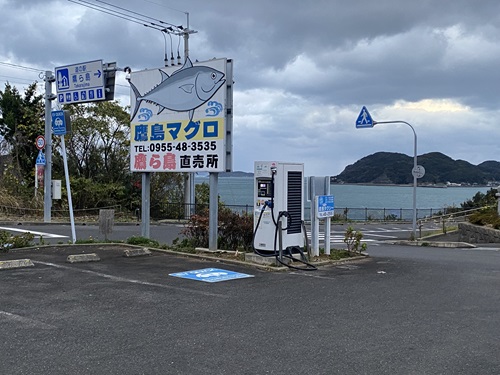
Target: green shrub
[(235, 231), (142, 241), (352, 239), (487, 216), (8, 241)]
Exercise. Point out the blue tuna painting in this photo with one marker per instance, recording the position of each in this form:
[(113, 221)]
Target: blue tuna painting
[(185, 90)]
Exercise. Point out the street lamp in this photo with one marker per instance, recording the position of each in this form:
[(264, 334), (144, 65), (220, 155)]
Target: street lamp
[(365, 121)]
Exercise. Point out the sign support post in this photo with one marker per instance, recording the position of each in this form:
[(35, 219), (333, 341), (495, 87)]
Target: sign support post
[(68, 188), (47, 192)]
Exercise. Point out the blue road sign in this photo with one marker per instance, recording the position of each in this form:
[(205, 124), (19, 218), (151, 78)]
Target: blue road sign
[(364, 119), (58, 123), (79, 82), (40, 159), (211, 275)]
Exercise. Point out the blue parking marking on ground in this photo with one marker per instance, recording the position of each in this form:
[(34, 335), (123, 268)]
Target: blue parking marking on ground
[(211, 275)]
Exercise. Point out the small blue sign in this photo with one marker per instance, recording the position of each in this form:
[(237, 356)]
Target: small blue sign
[(40, 159), (62, 79), (364, 119), (325, 206), (211, 275), (58, 123)]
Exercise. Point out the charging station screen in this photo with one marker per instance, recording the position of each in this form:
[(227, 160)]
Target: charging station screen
[(264, 190)]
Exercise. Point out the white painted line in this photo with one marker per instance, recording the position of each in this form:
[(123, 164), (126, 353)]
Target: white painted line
[(123, 279), (26, 321), (42, 234), (380, 235)]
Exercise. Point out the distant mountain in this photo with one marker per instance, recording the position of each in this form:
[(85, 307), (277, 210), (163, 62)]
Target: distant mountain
[(395, 168)]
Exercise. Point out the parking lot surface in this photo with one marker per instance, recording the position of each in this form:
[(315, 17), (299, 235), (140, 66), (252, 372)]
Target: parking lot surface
[(382, 315)]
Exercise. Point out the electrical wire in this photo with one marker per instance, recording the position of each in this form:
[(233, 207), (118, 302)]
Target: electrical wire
[(17, 66), (139, 14), (127, 15)]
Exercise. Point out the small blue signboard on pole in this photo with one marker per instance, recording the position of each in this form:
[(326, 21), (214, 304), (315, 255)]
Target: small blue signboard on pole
[(364, 119), (325, 206), (58, 123)]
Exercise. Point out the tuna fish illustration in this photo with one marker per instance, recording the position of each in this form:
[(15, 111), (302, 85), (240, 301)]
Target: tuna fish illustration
[(185, 90)]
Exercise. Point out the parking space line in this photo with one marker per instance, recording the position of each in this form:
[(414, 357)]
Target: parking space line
[(26, 321), (132, 281)]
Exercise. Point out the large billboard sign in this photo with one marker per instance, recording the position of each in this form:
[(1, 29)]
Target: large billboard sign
[(178, 118)]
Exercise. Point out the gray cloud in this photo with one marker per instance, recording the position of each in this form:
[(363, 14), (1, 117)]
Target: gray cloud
[(302, 69)]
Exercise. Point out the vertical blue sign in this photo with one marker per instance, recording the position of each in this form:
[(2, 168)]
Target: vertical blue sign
[(58, 123), (325, 206)]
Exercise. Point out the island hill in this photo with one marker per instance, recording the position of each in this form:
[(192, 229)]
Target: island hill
[(389, 168)]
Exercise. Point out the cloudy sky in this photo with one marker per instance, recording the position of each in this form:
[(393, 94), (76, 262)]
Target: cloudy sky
[(302, 70)]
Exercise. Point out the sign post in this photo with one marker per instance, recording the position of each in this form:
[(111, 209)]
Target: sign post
[(59, 126)]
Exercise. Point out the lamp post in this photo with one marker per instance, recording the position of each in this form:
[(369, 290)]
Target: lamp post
[(365, 121)]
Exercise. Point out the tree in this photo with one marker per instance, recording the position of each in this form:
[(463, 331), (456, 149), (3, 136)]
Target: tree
[(98, 145), (21, 121)]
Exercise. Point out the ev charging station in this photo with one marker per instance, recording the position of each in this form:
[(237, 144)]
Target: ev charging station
[(279, 228)]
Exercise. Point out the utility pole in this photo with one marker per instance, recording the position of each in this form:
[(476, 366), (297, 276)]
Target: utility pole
[(47, 192), (189, 185)]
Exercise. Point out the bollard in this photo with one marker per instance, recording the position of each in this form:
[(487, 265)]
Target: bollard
[(106, 222)]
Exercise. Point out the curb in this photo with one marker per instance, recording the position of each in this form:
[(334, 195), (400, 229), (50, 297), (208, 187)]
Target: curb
[(16, 263), (423, 243)]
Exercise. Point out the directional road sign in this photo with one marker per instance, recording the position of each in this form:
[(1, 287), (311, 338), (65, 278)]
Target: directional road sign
[(80, 83), (364, 119)]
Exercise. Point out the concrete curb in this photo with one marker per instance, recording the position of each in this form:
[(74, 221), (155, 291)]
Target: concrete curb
[(129, 253), (425, 243), (16, 263), (83, 258)]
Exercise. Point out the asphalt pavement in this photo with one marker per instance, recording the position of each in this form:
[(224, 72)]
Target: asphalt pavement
[(404, 310)]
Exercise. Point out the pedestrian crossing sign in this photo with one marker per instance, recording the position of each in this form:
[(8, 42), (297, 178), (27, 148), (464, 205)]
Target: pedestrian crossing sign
[(364, 119)]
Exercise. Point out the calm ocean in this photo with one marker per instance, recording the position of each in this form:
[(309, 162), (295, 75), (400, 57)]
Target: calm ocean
[(239, 191)]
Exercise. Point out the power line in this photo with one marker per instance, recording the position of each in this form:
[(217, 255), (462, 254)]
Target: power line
[(141, 15), (131, 16), (17, 79), (17, 66)]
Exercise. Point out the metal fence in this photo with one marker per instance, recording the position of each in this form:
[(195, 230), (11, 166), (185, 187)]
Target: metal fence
[(182, 211)]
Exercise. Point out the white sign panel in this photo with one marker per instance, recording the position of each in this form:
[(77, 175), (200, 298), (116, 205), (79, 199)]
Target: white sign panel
[(178, 118), (80, 83)]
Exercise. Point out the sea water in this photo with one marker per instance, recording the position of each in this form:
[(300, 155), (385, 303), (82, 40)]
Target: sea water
[(238, 191)]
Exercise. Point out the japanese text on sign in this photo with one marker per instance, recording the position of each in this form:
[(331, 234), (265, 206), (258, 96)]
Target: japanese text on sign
[(177, 146), (179, 128)]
